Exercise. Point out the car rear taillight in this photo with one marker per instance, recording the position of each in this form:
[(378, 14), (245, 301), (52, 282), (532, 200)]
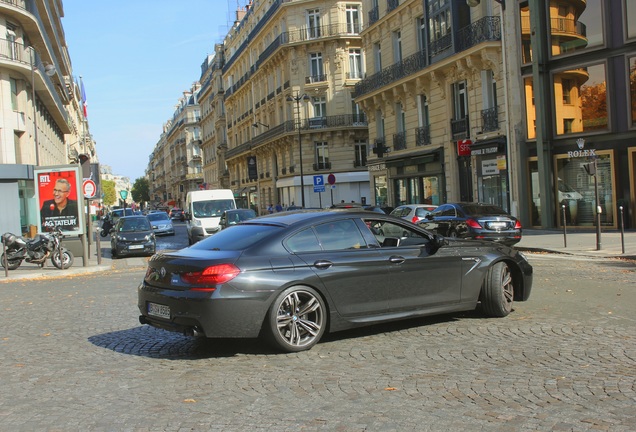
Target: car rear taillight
[(473, 223), (207, 279), (415, 219), (518, 225)]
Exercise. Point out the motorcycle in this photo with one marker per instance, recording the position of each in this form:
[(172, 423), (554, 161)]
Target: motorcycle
[(106, 227), (36, 250)]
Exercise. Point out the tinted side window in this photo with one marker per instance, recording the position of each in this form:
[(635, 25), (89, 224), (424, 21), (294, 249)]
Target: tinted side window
[(304, 241), (448, 211), (340, 235)]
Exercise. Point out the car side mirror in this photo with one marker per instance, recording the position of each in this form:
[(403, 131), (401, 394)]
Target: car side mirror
[(429, 216)]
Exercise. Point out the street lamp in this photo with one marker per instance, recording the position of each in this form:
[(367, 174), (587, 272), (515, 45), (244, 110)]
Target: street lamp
[(261, 124), (297, 99), (49, 70)]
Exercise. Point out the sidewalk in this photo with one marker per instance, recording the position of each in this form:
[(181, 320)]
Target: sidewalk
[(94, 264), (578, 243)]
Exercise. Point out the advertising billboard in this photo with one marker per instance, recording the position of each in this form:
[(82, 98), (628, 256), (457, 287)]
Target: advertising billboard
[(59, 197)]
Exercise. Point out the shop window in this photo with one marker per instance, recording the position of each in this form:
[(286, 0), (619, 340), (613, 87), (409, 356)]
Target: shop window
[(575, 191), (381, 191)]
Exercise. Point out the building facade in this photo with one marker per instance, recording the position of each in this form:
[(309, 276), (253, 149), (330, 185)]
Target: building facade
[(41, 113), (288, 75), (580, 113), (176, 163), (436, 100)]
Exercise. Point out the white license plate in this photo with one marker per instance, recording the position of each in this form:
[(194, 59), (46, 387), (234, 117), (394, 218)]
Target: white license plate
[(498, 225), (136, 247), (158, 310)]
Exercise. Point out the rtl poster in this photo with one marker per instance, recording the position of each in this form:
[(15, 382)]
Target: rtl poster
[(59, 198)]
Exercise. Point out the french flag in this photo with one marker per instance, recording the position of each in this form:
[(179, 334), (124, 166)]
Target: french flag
[(84, 104)]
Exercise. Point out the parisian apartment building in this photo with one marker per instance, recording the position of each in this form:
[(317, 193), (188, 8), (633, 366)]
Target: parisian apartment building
[(524, 104), (42, 122)]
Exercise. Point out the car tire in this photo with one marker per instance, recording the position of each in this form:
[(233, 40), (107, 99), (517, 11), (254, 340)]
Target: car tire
[(452, 234), (296, 319), (498, 292)]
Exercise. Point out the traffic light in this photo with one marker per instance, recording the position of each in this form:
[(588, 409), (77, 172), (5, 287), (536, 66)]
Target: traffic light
[(85, 163)]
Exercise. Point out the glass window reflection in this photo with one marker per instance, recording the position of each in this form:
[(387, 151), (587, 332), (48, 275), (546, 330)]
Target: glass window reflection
[(576, 26), (580, 100)]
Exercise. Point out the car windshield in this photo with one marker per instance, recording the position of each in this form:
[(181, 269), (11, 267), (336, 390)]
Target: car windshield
[(211, 208), (237, 238), (135, 224), (157, 216)]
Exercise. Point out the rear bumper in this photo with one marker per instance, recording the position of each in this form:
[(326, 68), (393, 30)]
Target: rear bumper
[(226, 313)]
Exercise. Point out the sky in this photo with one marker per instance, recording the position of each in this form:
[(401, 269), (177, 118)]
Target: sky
[(136, 58)]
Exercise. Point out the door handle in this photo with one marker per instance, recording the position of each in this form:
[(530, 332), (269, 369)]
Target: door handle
[(397, 259), (323, 264)]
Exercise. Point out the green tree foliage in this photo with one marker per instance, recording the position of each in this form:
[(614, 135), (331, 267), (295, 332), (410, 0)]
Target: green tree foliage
[(141, 190), (108, 189)]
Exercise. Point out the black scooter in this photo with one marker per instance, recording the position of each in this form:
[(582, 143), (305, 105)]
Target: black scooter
[(106, 227)]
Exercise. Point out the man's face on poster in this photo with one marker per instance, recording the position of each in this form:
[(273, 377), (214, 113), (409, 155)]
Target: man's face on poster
[(60, 193)]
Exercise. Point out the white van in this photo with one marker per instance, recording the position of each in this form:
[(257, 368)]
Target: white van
[(203, 212)]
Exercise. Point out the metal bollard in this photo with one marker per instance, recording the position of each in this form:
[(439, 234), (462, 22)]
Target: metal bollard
[(620, 210), (565, 239)]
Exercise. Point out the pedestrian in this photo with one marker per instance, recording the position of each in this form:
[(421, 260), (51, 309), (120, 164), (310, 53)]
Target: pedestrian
[(279, 208), (270, 209)]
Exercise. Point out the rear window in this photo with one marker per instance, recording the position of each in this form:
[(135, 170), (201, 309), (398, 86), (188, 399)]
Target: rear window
[(237, 237), (157, 216), (486, 210)]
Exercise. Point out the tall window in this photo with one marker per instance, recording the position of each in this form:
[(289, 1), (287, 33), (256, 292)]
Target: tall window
[(397, 46), (360, 157), (489, 89), (439, 12), (460, 100), (422, 111), (322, 154), (400, 118), (358, 114), (315, 67), (313, 23), (355, 63), (377, 56), (320, 106), (14, 95), (421, 34), (379, 124), (353, 19)]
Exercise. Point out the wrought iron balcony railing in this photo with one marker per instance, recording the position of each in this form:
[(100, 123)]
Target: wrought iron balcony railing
[(483, 30), (459, 128), (399, 141), (423, 135), (490, 119)]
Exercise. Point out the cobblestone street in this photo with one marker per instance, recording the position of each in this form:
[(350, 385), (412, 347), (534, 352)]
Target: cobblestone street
[(75, 358)]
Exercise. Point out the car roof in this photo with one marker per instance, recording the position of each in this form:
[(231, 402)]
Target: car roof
[(310, 217)]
